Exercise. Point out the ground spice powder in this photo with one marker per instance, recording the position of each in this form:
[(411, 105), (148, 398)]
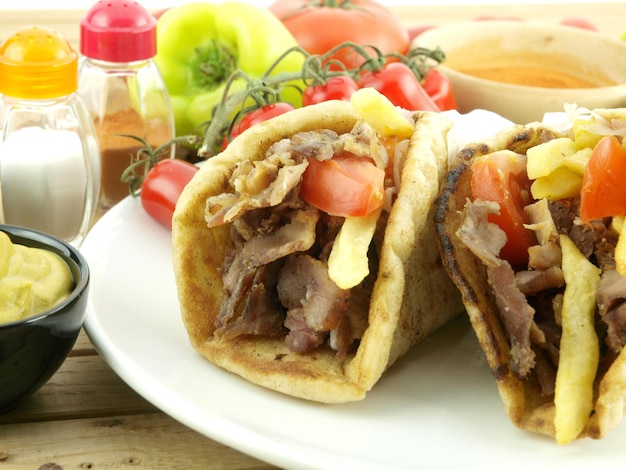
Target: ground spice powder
[(119, 151), (529, 76)]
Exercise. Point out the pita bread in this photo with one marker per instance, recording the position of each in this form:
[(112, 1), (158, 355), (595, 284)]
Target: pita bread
[(522, 399), (412, 295)]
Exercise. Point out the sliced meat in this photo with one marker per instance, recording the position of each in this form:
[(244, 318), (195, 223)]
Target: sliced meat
[(364, 142), (256, 250), (517, 316), (534, 281), (321, 144), (544, 256), (304, 283), (545, 371), (262, 313), (295, 232), (262, 183), (353, 323), (587, 236), (612, 307), (605, 249), (485, 240), (301, 337), (237, 279), (541, 222)]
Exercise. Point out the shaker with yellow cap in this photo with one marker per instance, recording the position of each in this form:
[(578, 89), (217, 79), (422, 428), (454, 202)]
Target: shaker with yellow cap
[(49, 155)]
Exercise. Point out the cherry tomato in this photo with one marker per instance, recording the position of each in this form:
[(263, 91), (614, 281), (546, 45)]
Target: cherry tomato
[(502, 178), (344, 185), (400, 85), (582, 23), (258, 115), (162, 187), (320, 26), (335, 88), (603, 192), (439, 89)]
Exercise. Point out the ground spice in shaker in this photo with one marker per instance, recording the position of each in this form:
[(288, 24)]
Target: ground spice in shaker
[(122, 89), (119, 151)]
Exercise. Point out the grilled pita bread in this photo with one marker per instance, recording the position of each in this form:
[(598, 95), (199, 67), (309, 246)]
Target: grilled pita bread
[(522, 399), (412, 295)]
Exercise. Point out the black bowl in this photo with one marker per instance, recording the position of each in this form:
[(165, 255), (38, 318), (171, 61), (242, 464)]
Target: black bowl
[(32, 349)]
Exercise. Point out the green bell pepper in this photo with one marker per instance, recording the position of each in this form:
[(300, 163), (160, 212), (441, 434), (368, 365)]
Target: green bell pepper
[(199, 46)]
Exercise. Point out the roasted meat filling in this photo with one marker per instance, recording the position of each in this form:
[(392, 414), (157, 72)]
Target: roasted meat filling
[(275, 279), (529, 300)]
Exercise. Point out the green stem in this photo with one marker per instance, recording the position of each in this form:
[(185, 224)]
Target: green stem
[(316, 70), (147, 157)]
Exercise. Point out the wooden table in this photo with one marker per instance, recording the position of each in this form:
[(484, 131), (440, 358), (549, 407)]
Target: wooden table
[(86, 417)]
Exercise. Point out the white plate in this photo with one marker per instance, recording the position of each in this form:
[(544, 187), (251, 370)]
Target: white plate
[(436, 408)]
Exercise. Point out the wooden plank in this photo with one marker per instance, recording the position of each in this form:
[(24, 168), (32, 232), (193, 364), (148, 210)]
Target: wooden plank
[(84, 386), (151, 441), (83, 346)]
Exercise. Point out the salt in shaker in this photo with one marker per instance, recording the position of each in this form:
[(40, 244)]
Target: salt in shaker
[(49, 155)]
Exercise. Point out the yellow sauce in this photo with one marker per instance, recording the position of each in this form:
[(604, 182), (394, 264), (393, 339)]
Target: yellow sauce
[(32, 280)]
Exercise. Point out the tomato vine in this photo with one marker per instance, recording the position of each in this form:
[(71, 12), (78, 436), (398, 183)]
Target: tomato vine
[(317, 69), (266, 90)]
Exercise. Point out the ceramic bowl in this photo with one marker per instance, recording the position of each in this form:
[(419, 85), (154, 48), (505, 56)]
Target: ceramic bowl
[(548, 65), (33, 349)]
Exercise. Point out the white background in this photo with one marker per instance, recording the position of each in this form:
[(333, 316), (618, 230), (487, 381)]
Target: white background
[(155, 4)]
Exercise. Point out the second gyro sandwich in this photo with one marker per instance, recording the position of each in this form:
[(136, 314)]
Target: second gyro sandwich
[(530, 225)]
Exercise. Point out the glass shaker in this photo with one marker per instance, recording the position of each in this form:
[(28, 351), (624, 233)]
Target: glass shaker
[(122, 89), (49, 155)]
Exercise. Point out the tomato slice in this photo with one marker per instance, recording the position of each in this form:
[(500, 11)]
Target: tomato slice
[(501, 177), (344, 186), (603, 192)]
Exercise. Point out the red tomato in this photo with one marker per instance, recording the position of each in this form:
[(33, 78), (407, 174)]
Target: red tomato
[(320, 26), (603, 192), (579, 23), (258, 115), (400, 85), (503, 180), (439, 89), (335, 88), (162, 186), (344, 186)]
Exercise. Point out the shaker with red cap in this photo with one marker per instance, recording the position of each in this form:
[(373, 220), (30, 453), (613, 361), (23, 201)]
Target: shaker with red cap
[(122, 89)]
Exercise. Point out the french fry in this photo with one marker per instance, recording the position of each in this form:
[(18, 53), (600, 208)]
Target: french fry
[(348, 263), (380, 113), (579, 351)]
